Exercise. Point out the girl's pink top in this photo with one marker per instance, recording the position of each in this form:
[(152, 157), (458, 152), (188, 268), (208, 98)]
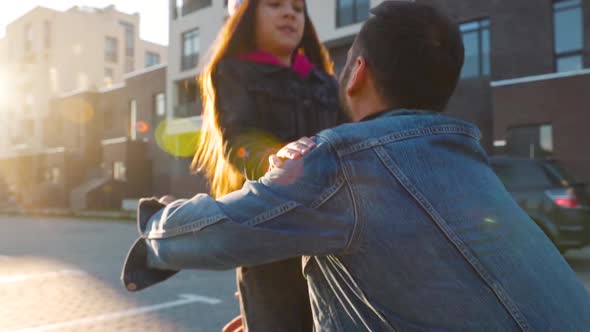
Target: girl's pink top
[(301, 64)]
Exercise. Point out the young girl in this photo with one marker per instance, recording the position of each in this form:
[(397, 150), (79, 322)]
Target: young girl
[(268, 82)]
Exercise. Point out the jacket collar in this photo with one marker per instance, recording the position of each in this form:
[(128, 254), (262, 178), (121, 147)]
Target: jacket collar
[(395, 112), (268, 63)]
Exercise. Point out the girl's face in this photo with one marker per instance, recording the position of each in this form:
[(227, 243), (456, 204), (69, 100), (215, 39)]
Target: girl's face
[(279, 25)]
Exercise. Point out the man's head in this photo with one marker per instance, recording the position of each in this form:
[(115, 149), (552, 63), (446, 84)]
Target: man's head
[(407, 55)]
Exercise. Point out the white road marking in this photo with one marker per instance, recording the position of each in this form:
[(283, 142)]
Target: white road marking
[(184, 300), (49, 275)]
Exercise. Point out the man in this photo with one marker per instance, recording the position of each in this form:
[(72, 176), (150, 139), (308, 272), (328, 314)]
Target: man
[(403, 225)]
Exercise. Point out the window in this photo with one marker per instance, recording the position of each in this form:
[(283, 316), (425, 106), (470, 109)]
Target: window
[(351, 11), (28, 45), (111, 49), (531, 141), (129, 64), (133, 119), (188, 103), (54, 175), (186, 7), (47, 34), (476, 39), (160, 104), (129, 46), (108, 73), (83, 81), (546, 139), (190, 49), (174, 9), (129, 38), (151, 59), (568, 35), (119, 171), (108, 76)]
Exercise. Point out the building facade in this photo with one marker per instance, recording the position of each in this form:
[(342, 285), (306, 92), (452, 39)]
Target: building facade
[(50, 53), (100, 147), (524, 83), (523, 79)]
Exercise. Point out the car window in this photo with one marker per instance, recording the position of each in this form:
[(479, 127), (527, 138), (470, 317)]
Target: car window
[(559, 172), (522, 174)]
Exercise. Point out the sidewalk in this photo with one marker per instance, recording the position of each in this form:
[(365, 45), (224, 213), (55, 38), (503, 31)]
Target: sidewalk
[(111, 215)]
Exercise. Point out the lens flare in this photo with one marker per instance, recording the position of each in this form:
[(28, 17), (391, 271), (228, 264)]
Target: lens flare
[(179, 145), (242, 152), (142, 127), (77, 110)]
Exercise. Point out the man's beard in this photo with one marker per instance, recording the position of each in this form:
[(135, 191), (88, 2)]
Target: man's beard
[(342, 83)]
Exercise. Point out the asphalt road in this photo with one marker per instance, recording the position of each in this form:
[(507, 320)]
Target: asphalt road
[(63, 275)]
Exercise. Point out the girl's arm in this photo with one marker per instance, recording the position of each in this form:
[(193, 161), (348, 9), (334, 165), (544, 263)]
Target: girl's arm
[(247, 145)]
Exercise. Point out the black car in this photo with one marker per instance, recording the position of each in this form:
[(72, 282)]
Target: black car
[(559, 205)]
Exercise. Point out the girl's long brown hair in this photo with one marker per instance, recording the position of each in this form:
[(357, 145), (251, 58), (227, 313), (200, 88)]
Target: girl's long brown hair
[(237, 36)]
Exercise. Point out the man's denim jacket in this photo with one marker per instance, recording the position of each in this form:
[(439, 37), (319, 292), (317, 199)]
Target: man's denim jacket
[(403, 227)]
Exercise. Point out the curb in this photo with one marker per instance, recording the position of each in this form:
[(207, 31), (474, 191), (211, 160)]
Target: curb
[(115, 215)]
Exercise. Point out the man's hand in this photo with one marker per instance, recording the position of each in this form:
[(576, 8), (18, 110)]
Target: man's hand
[(294, 150)]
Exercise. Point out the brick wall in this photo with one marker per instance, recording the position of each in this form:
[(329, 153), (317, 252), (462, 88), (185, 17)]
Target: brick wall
[(562, 102)]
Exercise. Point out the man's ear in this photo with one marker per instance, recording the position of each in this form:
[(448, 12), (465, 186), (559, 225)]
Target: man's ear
[(358, 76)]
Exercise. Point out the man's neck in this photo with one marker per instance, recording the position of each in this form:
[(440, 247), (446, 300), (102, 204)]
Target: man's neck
[(371, 117), (369, 109)]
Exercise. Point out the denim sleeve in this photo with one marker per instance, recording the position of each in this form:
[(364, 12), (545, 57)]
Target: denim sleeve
[(288, 213)]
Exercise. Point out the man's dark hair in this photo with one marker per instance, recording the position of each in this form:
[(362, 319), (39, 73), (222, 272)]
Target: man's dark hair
[(414, 52)]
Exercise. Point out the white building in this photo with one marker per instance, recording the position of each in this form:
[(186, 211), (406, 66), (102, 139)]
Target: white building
[(49, 53), (194, 24)]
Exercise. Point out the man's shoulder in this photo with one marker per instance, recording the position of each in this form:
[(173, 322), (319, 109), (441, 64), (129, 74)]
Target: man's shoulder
[(391, 128), (319, 170)]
